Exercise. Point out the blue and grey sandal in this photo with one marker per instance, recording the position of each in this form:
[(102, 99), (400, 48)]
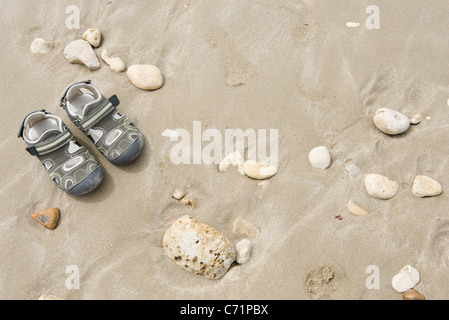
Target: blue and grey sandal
[(113, 134), (70, 165)]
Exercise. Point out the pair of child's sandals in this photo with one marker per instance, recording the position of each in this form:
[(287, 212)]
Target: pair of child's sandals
[(69, 164)]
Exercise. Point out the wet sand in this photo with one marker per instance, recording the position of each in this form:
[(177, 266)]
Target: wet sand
[(294, 66)]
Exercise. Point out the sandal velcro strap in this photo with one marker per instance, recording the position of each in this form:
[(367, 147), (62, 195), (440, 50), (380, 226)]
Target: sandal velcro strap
[(51, 145), (106, 107)]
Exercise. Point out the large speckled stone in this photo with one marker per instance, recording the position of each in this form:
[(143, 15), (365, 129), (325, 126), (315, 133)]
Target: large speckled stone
[(198, 248)]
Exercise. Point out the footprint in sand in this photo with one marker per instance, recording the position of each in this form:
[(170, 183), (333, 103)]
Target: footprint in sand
[(437, 252), (236, 68), (321, 283)]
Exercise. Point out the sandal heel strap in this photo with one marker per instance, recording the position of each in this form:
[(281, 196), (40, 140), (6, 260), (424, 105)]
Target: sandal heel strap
[(22, 128), (63, 102)]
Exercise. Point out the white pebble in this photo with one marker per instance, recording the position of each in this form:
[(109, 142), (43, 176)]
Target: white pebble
[(259, 171), (179, 194), (426, 187), (320, 157), (234, 159), (93, 36), (352, 24), (116, 64), (80, 51), (145, 77), (380, 187), (40, 46), (391, 122), (406, 279), (416, 119), (243, 250), (356, 210)]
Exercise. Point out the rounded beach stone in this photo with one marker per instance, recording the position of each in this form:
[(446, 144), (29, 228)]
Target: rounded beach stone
[(40, 46), (406, 279), (426, 187), (380, 187), (145, 77), (391, 122), (93, 36), (243, 249), (320, 157), (198, 248), (80, 51), (259, 171)]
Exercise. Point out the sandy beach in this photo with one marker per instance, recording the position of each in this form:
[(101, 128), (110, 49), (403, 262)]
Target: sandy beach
[(294, 66)]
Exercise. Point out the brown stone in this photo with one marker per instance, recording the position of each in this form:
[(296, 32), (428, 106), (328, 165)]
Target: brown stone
[(412, 295), (48, 218)]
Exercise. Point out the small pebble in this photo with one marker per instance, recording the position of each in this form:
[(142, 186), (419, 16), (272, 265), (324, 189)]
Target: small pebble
[(179, 194), (352, 24), (320, 157), (406, 279), (245, 229), (93, 36), (116, 64), (48, 218), (412, 295), (380, 187), (391, 122), (243, 250), (49, 297), (40, 46), (235, 159), (429, 118), (426, 187), (356, 210), (416, 119), (145, 77), (189, 203), (259, 171), (80, 51)]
